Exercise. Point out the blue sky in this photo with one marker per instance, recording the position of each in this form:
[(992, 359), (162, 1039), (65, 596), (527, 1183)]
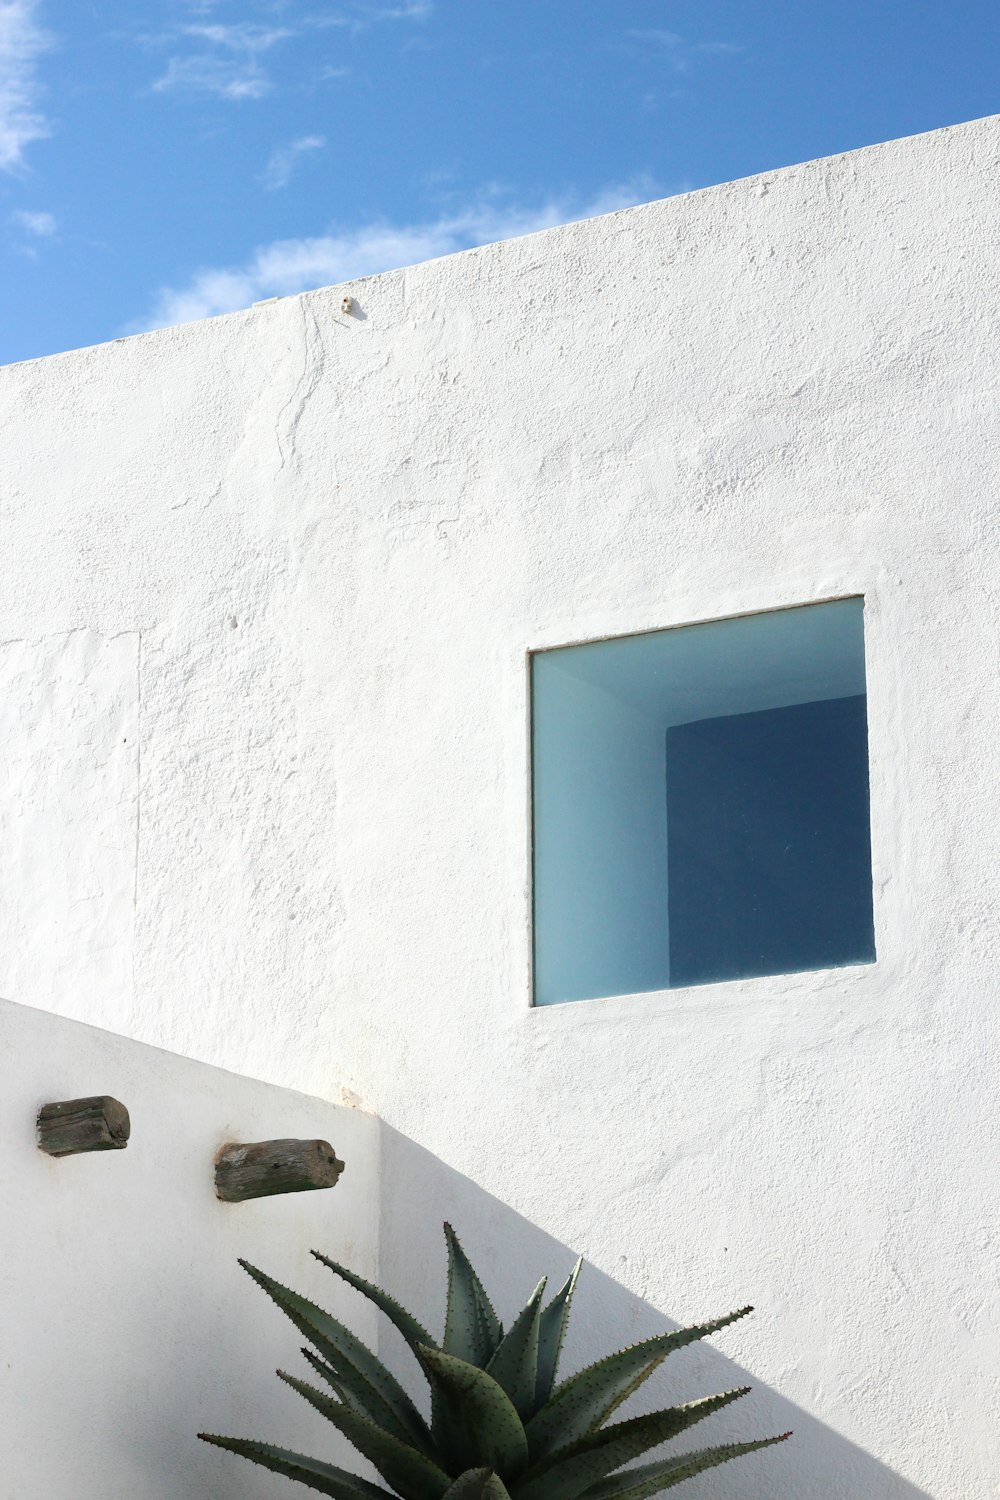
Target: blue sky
[(173, 159)]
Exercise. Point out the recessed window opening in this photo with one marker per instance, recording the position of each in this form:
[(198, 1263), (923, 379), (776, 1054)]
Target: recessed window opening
[(700, 804)]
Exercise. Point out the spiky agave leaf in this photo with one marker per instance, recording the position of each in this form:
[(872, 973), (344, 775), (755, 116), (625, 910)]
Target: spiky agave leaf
[(514, 1366), (472, 1330), (652, 1479), (478, 1484), (329, 1374), (372, 1388), (339, 1484), (568, 1472), (413, 1332), (551, 1332), (405, 1468), (587, 1399), (494, 1435), (476, 1422)]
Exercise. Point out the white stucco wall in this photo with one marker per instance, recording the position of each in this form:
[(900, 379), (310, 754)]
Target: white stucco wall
[(69, 708), (332, 541), (127, 1325)]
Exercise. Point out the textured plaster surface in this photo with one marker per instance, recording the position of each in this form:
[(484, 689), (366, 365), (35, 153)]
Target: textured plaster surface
[(338, 537), (128, 1326), (69, 822)]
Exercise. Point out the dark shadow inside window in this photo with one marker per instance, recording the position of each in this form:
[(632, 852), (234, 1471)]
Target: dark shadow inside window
[(769, 845)]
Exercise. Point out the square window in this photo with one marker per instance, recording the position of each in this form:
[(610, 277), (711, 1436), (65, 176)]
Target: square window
[(700, 804)]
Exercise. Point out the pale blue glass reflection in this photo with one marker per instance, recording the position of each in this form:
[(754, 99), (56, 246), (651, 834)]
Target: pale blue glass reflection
[(701, 804)]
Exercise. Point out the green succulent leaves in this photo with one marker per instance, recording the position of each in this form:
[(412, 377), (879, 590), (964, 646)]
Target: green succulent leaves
[(366, 1384), (514, 1363), (472, 1330), (551, 1332), (589, 1398), (413, 1332), (340, 1484), (476, 1421), (411, 1473), (501, 1427), (653, 1479), (478, 1484), (570, 1470)]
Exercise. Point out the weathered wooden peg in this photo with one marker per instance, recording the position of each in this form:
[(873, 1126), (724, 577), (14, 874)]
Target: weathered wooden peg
[(262, 1168), (77, 1125)]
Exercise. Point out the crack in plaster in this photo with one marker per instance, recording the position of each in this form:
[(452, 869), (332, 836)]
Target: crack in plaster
[(313, 366)]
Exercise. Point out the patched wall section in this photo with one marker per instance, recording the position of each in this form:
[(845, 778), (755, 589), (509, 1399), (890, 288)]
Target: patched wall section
[(69, 822)]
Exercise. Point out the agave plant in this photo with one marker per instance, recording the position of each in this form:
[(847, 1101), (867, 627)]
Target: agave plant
[(500, 1427)]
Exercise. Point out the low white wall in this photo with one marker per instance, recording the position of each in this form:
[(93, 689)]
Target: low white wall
[(127, 1325), (333, 539)]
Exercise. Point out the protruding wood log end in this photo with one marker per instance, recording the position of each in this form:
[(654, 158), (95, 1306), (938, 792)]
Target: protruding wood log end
[(260, 1169), (74, 1126)]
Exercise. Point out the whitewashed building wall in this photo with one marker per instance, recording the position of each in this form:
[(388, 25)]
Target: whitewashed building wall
[(268, 586), (127, 1324)]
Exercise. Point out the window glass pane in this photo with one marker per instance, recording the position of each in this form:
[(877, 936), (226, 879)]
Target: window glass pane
[(701, 804)]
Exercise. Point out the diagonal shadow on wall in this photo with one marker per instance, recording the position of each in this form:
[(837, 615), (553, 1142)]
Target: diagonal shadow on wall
[(419, 1192)]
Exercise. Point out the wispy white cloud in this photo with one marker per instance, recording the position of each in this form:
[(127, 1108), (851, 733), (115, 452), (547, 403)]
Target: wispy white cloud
[(226, 61), (676, 50), (21, 42), (240, 36), (362, 14), (227, 58), (213, 75), (284, 159), (41, 225), (415, 10), (285, 267)]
